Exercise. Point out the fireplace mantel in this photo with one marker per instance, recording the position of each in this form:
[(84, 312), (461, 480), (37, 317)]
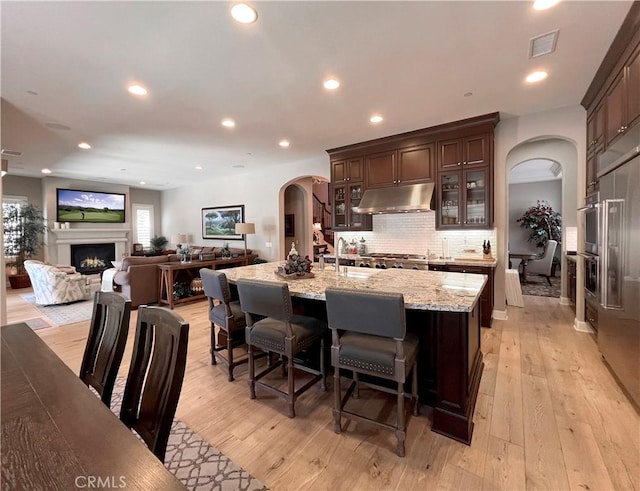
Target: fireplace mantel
[(60, 240)]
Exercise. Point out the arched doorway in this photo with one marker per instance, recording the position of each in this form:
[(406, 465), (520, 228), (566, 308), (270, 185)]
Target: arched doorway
[(534, 184)]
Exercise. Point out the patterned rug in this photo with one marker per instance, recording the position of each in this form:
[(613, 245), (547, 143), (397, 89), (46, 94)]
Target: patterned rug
[(538, 286), (197, 464), (62, 314)]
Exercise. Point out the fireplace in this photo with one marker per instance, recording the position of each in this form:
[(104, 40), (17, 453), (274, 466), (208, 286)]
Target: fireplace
[(92, 258)]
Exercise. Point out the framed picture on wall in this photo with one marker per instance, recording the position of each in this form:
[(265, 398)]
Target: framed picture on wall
[(289, 225), (220, 222)]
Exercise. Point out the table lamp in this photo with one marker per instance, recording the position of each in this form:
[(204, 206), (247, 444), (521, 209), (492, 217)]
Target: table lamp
[(244, 229), (178, 240)]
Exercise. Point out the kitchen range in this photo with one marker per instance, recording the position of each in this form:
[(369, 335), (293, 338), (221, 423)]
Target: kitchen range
[(389, 260)]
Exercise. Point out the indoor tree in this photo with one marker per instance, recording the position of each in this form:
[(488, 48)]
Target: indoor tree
[(545, 223), (23, 229)]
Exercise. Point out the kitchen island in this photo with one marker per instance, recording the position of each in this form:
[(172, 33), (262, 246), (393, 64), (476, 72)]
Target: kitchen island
[(442, 310)]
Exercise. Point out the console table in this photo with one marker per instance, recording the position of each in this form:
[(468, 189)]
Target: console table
[(186, 272)]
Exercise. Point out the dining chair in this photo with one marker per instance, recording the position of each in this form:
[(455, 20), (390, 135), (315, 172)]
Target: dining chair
[(227, 315), (274, 328), (155, 376), (368, 331), (107, 338), (543, 265)]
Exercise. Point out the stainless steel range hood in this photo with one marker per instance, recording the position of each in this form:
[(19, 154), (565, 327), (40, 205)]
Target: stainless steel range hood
[(412, 198)]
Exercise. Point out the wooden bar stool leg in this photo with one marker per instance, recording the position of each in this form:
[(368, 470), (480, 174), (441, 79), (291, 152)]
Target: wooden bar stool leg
[(400, 433), (230, 355), (252, 373), (213, 344), (291, 388), (337, 403)]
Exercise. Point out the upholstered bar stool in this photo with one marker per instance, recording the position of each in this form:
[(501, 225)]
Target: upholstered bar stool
[(273, 327), (227, 315), (369, 337)]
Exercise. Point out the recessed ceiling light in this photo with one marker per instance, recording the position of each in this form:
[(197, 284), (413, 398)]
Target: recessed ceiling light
[(238, 166), (244, 13), (198, 167), (284, 143), (534, 77), (376, 118), (142, 182), (46, 171), (228, 123), (123, 170), (84, 145), (137, 89), (331, 84), (544, 4)]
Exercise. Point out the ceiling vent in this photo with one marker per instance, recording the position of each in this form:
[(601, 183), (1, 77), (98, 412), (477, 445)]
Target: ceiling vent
[(10, 153), (543, 44), (57, 126)]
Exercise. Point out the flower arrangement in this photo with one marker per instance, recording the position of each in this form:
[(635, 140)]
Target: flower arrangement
[(544, 222)]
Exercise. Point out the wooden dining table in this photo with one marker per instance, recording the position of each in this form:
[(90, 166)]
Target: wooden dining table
[(56, 434), (524, 257)]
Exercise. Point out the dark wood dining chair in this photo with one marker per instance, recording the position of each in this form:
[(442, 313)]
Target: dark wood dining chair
[(369, 337), (155, 376), (107, 338), (227, 315), (274, 328)]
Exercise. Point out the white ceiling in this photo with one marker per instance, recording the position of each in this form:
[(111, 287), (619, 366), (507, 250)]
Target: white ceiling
[(410, 61), (535, 170)]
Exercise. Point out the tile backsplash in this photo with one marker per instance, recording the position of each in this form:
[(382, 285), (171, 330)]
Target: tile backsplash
[(415, 233)]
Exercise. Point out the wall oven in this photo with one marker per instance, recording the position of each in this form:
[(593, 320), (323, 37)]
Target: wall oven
[(592, 224), (591, 277)]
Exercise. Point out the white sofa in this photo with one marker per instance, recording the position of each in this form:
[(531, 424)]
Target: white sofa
[(55, 285)]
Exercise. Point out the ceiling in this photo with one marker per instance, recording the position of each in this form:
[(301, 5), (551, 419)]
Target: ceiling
[(535, 170), (69, 63)]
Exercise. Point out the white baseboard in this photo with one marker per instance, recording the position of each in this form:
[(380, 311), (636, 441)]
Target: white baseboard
[(500, 315), (565, 301), (582, 326)]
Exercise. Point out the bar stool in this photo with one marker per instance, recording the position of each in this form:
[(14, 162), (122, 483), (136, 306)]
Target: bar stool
[(369, 337), (273, 327)]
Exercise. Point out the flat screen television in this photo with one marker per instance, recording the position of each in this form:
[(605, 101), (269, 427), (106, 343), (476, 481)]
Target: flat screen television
[(73, 205)]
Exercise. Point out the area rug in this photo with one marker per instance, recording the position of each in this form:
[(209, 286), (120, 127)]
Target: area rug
[(60, 315), (538, 286), (197, 464)]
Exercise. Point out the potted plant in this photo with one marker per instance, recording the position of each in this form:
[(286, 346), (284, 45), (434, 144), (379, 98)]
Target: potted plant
[(545, 224), (158, 242), (23, 229)]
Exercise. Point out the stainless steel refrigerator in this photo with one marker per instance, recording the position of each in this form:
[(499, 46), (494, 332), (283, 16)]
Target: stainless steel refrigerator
[(619, 309)]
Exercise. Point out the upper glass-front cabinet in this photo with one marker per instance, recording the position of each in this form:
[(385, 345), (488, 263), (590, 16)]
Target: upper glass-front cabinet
[(463, 199), (346, 199)]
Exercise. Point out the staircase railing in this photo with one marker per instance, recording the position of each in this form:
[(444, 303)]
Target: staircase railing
[(323, 216)]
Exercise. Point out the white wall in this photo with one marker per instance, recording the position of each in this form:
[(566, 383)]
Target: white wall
[(260, 190), (558, 135)]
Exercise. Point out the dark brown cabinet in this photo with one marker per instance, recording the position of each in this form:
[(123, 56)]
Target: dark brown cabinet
[(347, 178), (464, 199), (347, 170), (486, 297), (416, 157), (623, 99), (412, 165), (571, 281), (460, 152), (612, 100)]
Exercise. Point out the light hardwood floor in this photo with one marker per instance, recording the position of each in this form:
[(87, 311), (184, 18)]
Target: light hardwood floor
[(549, 416)]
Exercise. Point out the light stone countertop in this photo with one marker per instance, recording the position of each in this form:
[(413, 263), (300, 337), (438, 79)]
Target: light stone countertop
[(422, 290)]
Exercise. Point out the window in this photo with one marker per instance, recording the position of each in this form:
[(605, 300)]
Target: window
[(8, 201), (142, 224)]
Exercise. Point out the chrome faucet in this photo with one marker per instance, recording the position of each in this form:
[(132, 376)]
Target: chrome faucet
[(337, 248)]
